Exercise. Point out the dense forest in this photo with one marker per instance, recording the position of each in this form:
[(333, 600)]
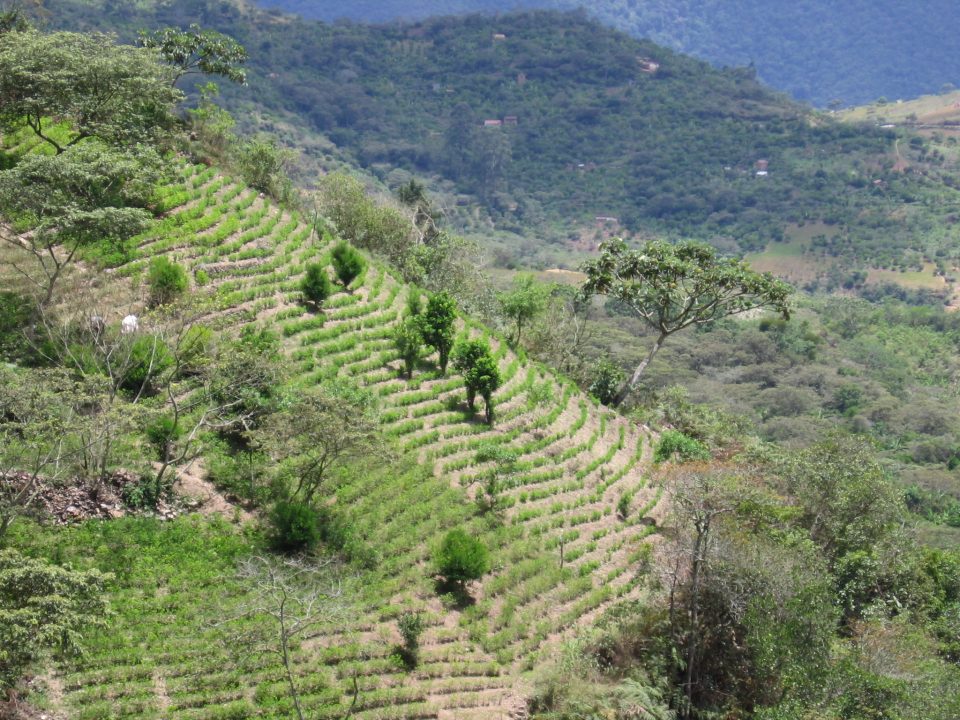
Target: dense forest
[(821, 52), (522, 116)]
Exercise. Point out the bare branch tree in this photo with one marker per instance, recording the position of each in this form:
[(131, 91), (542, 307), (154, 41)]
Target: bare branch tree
[(295, 600), (36, 419), (699, 496)]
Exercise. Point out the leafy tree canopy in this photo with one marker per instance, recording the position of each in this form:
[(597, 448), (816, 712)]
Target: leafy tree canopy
[(90, 194), (671, 287), (118, 93), (42, 608), (196, 50)]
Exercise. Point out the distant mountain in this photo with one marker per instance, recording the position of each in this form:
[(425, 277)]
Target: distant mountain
[(817, 50), (560, 130)]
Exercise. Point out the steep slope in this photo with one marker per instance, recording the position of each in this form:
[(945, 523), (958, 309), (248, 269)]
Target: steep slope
[(816, 51), (561, 552)]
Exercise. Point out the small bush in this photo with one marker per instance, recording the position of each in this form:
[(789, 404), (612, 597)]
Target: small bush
[(143, 494), (162, 433), (411, 626), (316, 286), (166, 279), (347, 263), (607, 380), (149, 357), (674, 444), (295, 526), (461, 558)]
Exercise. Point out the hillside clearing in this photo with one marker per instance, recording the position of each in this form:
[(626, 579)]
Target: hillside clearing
[(561, 553)]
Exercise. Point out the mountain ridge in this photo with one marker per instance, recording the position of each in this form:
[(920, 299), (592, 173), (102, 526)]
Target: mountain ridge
[(816, 51)]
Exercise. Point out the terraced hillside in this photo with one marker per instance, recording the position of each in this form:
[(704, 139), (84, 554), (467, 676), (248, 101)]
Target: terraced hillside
[(563, 551)]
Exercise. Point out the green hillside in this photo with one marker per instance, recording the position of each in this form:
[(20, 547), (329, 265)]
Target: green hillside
[(571, 463), (816, 51), (658, 142), (239, 480)]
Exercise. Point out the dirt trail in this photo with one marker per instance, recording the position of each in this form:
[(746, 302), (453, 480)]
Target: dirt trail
[(192, 484)]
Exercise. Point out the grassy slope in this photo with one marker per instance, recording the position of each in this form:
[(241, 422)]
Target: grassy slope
[(575, 461)]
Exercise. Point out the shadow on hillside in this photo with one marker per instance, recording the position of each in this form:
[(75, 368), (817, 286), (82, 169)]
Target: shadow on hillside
[(454, 595)]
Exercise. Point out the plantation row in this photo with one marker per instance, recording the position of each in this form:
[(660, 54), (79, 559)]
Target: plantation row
[(572, 494)]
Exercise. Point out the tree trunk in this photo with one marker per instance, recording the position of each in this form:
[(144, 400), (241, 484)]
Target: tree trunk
[(703, 531), (285, 655), (635, 378), (488, 407)]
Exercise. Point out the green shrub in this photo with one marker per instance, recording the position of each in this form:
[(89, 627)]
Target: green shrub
[(411, 625), (607, 380), (166, 279), (201, 277), (316, 286), (144, 494), (149, 357), (16, 314), (162, 432), (674, 444), (347, 263), (461, 558), (295, 526)]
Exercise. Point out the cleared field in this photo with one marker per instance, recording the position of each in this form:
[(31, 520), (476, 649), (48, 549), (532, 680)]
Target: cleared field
[(792, 259), (925, 110)]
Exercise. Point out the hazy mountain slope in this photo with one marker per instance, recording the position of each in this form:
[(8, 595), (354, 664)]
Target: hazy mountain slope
[(816, 50), (659, 142)]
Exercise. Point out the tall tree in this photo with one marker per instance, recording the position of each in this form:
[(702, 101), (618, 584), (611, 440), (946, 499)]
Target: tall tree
[(523, 302), (671, 287), (63, 203), (195, 51), (86, 85), (437, 323), (321, 428)]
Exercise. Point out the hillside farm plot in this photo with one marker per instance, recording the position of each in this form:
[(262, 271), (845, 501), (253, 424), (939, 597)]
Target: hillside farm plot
[(567, 540)]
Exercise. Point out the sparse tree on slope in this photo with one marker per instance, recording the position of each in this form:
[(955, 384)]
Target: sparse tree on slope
[(295, 600), (437, 324), (523, 302), (196, 50), (671, 287), (99, 89)]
